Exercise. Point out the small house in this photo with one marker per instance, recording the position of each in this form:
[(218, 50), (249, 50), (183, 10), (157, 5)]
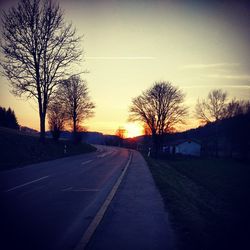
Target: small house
[(183, 147)]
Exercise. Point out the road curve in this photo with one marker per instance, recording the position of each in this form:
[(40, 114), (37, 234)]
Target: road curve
[(50, 205)]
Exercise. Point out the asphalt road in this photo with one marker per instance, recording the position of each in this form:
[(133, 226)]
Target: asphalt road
[(49, 205)]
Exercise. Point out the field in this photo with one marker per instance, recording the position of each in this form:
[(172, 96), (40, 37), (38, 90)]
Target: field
[(208, 201), (18, 149)]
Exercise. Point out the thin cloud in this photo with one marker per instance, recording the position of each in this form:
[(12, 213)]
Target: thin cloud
[(230, 77), (120, 58), (211, 65), (236, 86), (218, 86)]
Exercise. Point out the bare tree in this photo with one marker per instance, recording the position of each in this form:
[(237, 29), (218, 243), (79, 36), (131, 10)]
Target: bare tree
[(120, 133), (213, 107), (56, 118), (78, 106), (160, 108), (37, 48), (236, 107)]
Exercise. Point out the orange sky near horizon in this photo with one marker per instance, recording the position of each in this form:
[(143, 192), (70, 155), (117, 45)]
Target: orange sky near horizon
[(128, 46)]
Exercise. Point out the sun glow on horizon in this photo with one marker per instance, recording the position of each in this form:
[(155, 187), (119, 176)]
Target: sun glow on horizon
[(133, 130)]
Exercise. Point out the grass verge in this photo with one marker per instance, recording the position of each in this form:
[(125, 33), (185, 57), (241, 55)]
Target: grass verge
[(18, 149), (208, 201)]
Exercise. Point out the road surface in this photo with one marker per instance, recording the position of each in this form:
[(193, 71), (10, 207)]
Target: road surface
[(49, 205)]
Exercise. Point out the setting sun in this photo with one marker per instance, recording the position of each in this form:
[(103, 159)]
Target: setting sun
[(133, 130)]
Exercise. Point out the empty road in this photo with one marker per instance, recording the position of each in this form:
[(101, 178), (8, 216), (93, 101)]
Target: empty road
[(49, 205)]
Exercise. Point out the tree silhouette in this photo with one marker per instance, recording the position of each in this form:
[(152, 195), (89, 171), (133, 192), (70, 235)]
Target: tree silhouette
[(160, 108), (56, 118), (8, 118), (236, 107), (212, 108), (38, 48), (120, 133), (75, 97)]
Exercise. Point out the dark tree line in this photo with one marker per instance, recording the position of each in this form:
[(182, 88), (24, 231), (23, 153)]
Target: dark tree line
[(8, 118)]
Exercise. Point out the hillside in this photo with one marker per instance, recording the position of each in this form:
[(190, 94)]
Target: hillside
[(18, 149), (228, 138)]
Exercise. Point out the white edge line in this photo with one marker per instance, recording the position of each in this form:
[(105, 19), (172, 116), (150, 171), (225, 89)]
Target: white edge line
[(27, 183), (100, 214)]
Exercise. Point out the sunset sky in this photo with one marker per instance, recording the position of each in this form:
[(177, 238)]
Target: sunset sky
[(128, 45)]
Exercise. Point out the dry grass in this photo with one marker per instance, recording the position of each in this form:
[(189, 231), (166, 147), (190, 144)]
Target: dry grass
[(18, 149), (208, 201)]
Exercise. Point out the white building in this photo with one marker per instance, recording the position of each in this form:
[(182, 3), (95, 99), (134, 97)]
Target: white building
[(184, 147)]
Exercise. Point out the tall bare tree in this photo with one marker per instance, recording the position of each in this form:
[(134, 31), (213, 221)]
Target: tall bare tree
[(78, 105), (160, 108), (37, 47), (56, 118), (212, 108)]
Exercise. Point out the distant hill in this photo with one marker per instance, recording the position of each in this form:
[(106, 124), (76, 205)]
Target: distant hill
[(90, 137), (28, 130)]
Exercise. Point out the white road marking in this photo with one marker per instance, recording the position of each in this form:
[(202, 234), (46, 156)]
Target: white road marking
[(105, 154), (67, 189), (71, 189), (85, 190), (86, 162), (27, 183)]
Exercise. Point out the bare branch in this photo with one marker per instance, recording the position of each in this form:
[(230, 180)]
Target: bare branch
[(212, 108)]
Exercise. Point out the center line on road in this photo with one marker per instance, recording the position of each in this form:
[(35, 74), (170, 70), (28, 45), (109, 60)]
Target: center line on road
[(105, 154), (27, 183), (86, 162)]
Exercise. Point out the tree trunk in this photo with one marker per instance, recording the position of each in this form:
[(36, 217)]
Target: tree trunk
[(42, 127), (216, 140), (76, 135), (74, 126), (155, 145), (74, 121)]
